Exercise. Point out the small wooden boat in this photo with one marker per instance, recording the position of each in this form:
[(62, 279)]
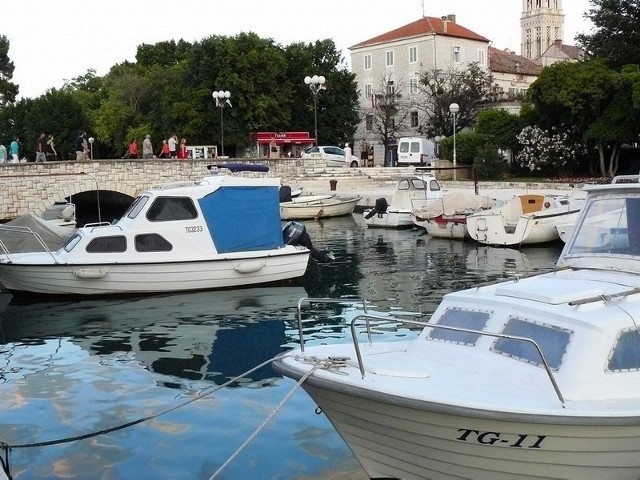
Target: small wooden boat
[(533, 377), (525, 219), (317, 206)]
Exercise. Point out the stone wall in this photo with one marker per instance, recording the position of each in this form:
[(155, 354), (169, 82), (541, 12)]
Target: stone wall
[(34, 187)]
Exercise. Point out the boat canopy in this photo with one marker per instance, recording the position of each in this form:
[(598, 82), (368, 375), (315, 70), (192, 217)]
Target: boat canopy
[(231, 211), (241, 167)]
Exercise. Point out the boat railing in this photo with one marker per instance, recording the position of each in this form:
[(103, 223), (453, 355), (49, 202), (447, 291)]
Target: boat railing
[(166, 186), (310, 301), (367, 317), (23, 231), (100, 224)]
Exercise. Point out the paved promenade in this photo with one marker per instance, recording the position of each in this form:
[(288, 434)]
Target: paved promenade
[(377, 182)]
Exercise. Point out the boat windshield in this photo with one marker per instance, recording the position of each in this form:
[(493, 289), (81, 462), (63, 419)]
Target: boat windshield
[(611, 225)]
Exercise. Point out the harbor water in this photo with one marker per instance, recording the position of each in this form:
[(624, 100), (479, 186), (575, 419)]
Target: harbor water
[(139, 387)]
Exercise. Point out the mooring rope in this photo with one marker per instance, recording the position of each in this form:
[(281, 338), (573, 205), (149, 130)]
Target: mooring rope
[(327, 364), (264, 422), (6, 447)]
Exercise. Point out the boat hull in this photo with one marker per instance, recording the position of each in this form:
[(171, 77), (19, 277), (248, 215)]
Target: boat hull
[(404, 441), (118, 278), (390, 219), (443, 227)]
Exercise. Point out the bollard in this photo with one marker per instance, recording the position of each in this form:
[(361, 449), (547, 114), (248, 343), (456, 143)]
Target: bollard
[(333, 184)]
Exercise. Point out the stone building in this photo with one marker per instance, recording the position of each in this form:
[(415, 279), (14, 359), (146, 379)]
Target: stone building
[(394, 60), (397, 57)]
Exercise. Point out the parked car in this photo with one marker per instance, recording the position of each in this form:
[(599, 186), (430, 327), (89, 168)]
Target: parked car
[(333, 155)]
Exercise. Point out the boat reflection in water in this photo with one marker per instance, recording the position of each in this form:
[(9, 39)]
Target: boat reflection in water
[(71, 368), (160, 331)]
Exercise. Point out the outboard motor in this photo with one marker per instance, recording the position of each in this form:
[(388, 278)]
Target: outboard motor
[(285, 193), (380, 208), (295, 233)]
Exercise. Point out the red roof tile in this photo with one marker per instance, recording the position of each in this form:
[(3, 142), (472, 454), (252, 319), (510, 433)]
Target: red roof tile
[(504, 61), (424, 26)]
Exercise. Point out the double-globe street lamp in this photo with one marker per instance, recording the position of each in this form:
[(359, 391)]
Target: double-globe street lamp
[(454, 108), (222, 100), (316, 83)]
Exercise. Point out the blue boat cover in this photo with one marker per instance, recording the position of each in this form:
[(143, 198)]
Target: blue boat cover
[(243, 219)]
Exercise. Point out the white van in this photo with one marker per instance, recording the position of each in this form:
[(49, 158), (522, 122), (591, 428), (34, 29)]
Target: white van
[(416, 151)]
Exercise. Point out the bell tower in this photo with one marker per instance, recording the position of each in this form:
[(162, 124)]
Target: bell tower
[(541, 24)]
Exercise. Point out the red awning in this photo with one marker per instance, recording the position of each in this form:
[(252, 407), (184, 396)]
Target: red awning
[(285, 137)]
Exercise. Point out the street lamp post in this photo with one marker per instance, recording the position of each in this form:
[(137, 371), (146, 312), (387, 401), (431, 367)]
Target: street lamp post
[(91, 140), (438, 139), (454, 108), (316, 83), (222, 100)]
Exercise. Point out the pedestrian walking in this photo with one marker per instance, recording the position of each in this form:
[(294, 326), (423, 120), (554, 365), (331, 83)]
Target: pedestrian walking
[(51, 153), (173, 146), (40, 147), (14, 150), (147, 149), (182, 151), (165, 153), (79, 146), (133, 148)]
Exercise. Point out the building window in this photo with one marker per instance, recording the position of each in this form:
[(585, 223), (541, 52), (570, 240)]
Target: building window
[(367, 62), (413, 86), (389, 58), (391, 88), (457, 55), (413, 54), (368, 123), (414, 119), (368, 91), (482, 57)]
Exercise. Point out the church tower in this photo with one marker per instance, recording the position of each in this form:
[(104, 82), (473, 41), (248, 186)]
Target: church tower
[(541, 24)]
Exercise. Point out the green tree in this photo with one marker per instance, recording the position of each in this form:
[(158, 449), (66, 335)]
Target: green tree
[(337, 103), (615, 36), (592, 104), (8, 90), (501, 126)]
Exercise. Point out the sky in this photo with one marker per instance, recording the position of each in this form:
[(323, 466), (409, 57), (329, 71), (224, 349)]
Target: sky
[(56, 40)]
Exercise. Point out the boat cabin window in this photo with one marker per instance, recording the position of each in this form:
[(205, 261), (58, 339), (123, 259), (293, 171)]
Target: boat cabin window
[(610, 225), (152, 242), (111, 244), (434, 185), (137, 205), (172, 208), (458, 318), (409, 183), (72, 242), (553, 342), (625, 355)]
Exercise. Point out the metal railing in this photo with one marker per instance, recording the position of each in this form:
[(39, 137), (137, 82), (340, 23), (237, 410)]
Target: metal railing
[(23, 231), (367, 317)]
